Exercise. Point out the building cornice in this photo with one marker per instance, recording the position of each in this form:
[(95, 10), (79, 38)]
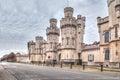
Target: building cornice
[(68, 49)]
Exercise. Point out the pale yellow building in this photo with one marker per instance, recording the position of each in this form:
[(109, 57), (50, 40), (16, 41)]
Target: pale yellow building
[(91, 54), (71, 33), (109, 30), (23, 58)]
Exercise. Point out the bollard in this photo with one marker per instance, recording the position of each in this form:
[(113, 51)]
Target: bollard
[(119, 65), (53, 64), (83, 67), (61, 65), (101, 68), (71, 66)]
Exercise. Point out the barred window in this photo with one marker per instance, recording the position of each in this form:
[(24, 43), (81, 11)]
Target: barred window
[(107, 54)]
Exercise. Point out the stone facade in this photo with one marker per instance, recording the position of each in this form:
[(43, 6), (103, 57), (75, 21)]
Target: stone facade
[(24, 58), (31, 51), (52, 33), (72, 31), (91, 54), (72, 48), (109, 30), (36, 50)]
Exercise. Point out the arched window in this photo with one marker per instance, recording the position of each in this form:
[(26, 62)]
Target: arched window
[(107, 54)]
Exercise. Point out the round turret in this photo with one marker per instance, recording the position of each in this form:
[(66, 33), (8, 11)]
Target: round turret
[(39, 38), (68, 11), (79, 16), (53, 22)]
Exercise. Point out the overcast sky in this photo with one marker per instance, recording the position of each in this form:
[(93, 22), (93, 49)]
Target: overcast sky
[(22, 20)]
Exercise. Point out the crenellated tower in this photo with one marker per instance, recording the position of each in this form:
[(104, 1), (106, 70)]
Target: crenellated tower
[(80, 33), (52, 33), (72, 31), (114, 11), (38, 48), (31, 50), (109, 31)]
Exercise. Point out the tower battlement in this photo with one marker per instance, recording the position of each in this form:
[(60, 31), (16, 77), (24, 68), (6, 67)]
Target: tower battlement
[(80, 19), (102, 20), (53, 22), (39, 38), (68, 9), (65, 21), (52, 31), (110, 1), (117, 2), (31, 43)]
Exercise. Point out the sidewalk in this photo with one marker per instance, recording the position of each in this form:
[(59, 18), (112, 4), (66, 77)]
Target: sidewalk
[(88, 68), (5, 75)]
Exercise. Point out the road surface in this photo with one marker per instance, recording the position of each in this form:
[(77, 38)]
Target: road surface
[(33, 72)]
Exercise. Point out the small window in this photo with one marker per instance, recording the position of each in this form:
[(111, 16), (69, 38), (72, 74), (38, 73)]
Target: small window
[(106, 36), (67, 40), (51, 44), (107, 54), (117, 8), (116, 30), (62, 41), (90, 57), (116, 53), (73, 41), (79, 26)]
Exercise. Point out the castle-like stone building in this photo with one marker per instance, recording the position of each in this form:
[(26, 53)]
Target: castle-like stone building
[(109, 30), (71, 33), (52, 33)]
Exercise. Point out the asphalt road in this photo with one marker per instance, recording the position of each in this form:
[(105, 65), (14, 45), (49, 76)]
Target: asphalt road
[(33, 72)]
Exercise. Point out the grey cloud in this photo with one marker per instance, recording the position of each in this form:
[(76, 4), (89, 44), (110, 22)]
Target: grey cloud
[(22, 20)]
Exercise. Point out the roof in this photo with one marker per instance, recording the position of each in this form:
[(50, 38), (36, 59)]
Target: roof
[(93, 46)]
